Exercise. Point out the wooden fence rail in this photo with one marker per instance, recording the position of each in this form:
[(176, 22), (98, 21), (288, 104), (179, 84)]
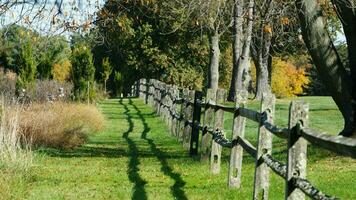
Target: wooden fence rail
[(181, 110)]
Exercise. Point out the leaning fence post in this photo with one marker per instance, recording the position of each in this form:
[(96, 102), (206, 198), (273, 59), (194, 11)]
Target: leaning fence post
[(194, 141), (182, 122), (189, 118), (238, 131), (215, 159), (208, 122), (264, 146), (297, 149)]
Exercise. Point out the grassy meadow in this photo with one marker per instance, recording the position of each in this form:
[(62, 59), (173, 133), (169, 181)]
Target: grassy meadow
[(136, 158)]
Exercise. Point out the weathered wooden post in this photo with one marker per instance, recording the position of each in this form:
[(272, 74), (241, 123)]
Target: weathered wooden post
[(189, 118), (170, 108), (215, 159), (264, 146), (238, 131), (297, 149), (175, 95), (184, 112), (194, 141), (140, 90), (158, 97), (152, 94), (162, 94), (208, 122)]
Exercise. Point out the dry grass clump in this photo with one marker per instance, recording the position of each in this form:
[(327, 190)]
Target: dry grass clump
[(15, 153), (60, 125)]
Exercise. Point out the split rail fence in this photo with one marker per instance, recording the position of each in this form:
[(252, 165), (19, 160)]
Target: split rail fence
[(181, 110)]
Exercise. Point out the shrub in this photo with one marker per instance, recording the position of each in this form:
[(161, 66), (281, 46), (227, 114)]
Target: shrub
[(60, 125), (287, 79), (61, 71)]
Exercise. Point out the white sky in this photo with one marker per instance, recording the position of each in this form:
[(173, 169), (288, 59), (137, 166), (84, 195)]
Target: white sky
[(79, 11)]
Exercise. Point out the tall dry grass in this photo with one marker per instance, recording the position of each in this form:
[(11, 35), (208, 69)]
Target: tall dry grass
[(15, 151), (60, 124)]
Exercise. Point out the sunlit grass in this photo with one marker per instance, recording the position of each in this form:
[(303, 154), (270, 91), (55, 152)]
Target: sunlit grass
[(136, 158)]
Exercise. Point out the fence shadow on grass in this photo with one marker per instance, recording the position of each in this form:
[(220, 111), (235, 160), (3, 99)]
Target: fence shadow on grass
[(176, 189), (139, 184)]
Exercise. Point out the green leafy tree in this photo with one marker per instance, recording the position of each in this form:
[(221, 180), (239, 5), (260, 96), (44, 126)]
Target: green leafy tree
[(118, 81), (83, 72), (26, 66), (107, 69)]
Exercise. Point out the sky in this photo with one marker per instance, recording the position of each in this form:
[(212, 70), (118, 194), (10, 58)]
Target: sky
[(45, 17)]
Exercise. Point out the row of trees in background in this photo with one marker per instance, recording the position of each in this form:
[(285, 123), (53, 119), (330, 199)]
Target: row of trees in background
[(205, 43), (255, 45), (35, 57), (182, 41)]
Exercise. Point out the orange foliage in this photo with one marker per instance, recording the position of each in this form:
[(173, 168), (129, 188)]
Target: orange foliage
[(61, 71), (287, 79)]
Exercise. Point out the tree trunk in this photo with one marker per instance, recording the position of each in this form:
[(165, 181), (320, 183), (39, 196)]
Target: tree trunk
[(261, 59), (213, 71), (262, 83), (238, 40), (347, 13), (244, 61), (327, 60)]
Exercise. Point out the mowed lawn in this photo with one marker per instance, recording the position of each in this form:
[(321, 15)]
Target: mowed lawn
[(136, 158)]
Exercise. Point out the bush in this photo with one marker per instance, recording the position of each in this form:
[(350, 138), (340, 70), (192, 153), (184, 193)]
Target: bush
[(287, 79), (60, 125), (61, 71)]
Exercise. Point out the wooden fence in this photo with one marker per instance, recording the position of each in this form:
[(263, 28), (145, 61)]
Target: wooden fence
[(181, 110)]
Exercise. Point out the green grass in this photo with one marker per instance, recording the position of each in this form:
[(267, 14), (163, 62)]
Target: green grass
[(135, 158)]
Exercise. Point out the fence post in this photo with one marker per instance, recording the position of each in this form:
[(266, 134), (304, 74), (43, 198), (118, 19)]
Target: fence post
[(152, 94), (162, 93), (208, 122), (174, 110), (140, 89), (297, 149), (182, 122), (170, 109), (189, 118), (261, 183), (238, 131), (215, 159), (158, 97), (169, 104), (194, 141)]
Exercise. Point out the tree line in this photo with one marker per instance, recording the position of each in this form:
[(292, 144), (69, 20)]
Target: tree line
[(286, 47)]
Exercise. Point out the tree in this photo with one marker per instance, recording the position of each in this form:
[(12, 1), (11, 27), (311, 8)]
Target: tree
[(26, 65), (83, 72), (215, 16), (340, 82), (241, 50), (107, 69)]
